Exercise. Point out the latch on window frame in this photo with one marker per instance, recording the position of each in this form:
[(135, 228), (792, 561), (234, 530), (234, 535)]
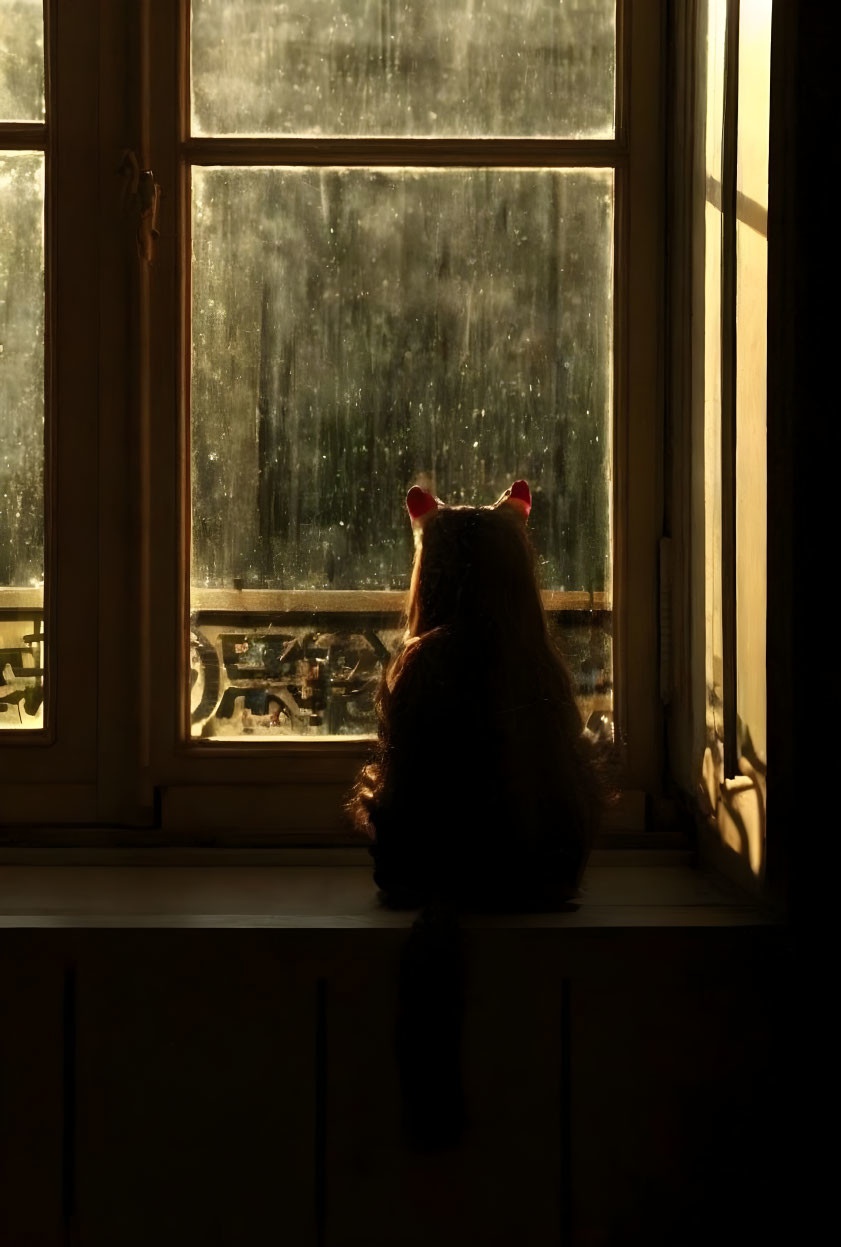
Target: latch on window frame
[(141, 189)]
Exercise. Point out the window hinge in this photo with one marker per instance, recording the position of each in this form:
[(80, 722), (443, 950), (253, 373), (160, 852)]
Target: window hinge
[(666, 656), (142, 192)]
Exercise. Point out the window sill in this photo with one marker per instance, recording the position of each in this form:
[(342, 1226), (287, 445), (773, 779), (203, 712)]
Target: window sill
[(671, 895)]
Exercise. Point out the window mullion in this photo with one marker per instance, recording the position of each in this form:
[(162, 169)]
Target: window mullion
[(409, 152)]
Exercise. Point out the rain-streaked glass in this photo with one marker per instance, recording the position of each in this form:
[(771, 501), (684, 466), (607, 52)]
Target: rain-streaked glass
[(21, 667), (401, 67), (21, 60), (317, 674), (21, 436), (357, 331)]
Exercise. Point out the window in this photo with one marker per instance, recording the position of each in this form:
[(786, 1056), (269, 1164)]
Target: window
[(432, 252)]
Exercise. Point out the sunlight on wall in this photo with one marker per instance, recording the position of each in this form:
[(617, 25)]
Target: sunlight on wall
[(738, 808), (751, 365), (712, 378), (737, 804)]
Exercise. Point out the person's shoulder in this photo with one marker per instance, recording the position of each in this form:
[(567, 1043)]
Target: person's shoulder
[(431, 642), (424, 653)]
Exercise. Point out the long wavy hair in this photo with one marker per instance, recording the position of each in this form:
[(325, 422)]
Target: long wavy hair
[(477, 642)]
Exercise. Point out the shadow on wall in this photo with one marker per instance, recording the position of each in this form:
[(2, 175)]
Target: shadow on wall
[(736, 807)]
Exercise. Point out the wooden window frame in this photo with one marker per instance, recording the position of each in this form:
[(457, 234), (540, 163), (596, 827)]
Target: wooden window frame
[(50, 773), (144, 782)]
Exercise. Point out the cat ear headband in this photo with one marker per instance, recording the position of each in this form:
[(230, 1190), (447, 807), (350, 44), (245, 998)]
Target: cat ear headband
[(518, 497), (421, 503)]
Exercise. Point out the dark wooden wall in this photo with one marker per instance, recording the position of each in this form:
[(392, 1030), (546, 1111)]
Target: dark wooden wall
[(803, 403), (240, 1086)]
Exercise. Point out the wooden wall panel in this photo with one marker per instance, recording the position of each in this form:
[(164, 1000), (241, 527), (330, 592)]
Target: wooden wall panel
[(503, 1185), (231, 1086), (196, 1090), (31, 1084), (680, 1108)]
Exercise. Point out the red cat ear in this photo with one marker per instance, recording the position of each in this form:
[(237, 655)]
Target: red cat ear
[(520, 490), (420, 502), (518, 497)]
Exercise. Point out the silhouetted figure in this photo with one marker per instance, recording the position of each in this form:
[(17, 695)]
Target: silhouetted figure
[(484, 793)]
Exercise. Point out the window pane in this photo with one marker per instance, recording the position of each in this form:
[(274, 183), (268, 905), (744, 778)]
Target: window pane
[(22, 60), (21, 436), (367, 67), (355, 331), (358, 331), (315, 674), (21, 667)]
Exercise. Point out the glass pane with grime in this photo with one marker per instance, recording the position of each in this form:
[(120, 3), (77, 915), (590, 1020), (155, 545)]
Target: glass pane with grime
[(458, 68), (357, 331), (22, 60), (21, 438), (315, 675)]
